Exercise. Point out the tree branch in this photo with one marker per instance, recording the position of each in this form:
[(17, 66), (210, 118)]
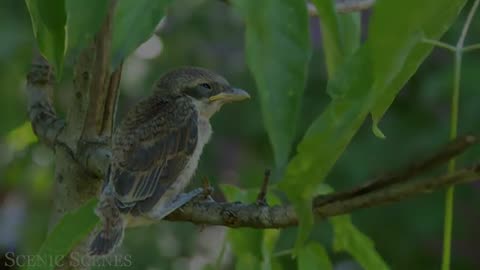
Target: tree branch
[(260, 216), (101, 95), (45, 123), (99, 87), (393, 187)]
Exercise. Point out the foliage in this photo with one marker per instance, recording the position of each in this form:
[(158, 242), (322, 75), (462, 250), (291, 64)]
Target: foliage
[(254, 247), (71, 229), (48, 23), (364, 84), (350, 239), (134, 23), (363, 79), (278, 51)]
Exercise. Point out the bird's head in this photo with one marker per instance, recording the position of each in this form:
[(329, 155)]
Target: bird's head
[(208, 90)]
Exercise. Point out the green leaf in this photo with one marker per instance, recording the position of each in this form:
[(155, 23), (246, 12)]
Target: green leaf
[(70, 230), (346, 237), (251, 243), (245, 242), (328, 136), (84, 19), (48, 23), (359, 87), (376, 130), (247, 262), (340, 34), (409, 21), (21, 137), (278, 50), (134, 23), (313, 257)]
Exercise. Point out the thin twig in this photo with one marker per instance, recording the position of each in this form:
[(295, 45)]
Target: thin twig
[(451, 150), (398, 192), (261, 198)]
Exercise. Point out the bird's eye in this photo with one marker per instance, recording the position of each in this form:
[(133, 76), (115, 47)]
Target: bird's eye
[(206, 85)]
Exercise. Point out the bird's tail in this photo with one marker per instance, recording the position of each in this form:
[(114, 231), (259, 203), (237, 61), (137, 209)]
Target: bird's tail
[(111, 232)]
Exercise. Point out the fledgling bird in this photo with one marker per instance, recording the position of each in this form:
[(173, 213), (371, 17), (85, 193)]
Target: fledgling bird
[(155, 151)]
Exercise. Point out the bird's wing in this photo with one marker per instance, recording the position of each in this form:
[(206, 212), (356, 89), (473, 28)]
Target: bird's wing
[(152, 147)]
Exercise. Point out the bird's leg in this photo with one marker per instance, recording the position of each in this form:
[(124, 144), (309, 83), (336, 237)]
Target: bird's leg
[(207, 191), (201, 194), (178, 202)]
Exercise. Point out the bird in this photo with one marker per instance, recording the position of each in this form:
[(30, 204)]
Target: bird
[(156, 149)]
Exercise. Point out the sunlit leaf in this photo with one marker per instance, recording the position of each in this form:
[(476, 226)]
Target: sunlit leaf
[(84, 19), (48, 23), (278, 51), (69, 231), (347, 238), (313, 257), (21, 137), (134, 23)]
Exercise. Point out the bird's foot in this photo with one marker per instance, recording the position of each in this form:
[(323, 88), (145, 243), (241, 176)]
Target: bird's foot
[(206, 195), (178, 202)]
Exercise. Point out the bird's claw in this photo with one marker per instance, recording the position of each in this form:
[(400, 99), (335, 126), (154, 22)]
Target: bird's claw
[(261, 202)]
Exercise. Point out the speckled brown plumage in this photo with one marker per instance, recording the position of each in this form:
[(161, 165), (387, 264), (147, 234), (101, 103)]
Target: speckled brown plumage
[(151, 148), (156, 148)]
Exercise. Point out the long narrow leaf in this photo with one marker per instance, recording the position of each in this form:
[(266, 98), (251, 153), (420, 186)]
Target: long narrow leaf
[(346, 237), (48, 24), (278, 51), (134, 23)]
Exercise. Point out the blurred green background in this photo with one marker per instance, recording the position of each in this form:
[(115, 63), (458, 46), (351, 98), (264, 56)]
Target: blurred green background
[(208, 33)]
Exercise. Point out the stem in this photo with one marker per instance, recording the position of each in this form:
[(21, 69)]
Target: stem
[(449, 199), (470, 48), (439, 44)]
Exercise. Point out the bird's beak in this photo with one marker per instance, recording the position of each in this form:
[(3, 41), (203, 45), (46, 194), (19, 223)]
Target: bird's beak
[(231, 95)]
